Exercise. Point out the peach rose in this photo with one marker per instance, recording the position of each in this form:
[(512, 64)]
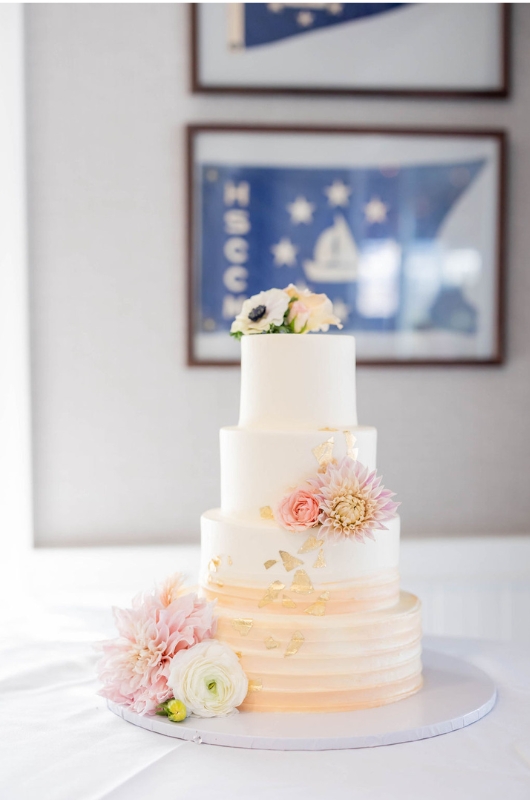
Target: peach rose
[(298, 315), (298, 510), (316, 311)]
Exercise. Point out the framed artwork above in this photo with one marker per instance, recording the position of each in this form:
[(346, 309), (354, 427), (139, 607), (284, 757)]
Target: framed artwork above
[(402, 229), (409, 49)]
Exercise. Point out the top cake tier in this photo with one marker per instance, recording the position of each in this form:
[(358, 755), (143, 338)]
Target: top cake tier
[(297, 382)]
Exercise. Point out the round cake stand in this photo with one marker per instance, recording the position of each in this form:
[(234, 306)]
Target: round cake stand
[(455, 694)]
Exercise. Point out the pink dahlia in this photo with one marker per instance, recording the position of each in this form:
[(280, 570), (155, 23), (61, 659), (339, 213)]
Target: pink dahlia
[(134, 667), (352, 501)]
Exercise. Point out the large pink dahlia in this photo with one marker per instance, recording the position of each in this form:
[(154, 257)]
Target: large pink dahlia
[(352, 501), (134, 667)]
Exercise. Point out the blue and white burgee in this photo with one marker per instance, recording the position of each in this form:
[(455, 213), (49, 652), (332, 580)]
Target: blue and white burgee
[(347, 232), (255, 24)]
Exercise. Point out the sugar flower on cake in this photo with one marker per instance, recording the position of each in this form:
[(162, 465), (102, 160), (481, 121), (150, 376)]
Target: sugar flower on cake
[(289, 310), (135, 667), (261, 313), (310, 312), (298, 510), (352, 501), (208, 679)]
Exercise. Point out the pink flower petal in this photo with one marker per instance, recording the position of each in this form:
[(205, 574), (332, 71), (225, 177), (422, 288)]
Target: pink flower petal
[(352, 501)]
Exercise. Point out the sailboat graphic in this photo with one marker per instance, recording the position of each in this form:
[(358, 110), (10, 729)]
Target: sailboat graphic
[(336, 257)]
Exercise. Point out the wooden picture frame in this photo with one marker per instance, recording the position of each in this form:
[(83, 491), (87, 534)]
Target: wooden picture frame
[(216, 84), (216, 144)]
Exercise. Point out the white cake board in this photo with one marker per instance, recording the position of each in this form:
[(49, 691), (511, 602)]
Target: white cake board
[(455, 694)]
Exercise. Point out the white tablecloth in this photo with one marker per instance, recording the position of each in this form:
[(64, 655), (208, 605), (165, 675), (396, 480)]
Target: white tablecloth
[(59, 742)]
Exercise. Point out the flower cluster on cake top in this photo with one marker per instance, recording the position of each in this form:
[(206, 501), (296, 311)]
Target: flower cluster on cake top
[(165, 660), (289, 310), (345, 499)]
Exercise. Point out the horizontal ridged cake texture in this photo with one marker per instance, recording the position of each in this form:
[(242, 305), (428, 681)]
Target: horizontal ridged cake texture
[(318, 626)]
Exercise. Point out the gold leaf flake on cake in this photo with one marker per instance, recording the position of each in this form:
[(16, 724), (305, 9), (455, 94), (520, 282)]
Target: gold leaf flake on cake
[(219, 583), (242, 625), (214, 563), (270, 563), (351, 450), (229, 560), (287, 602), (317, 609), (289, 561), (321, 561), (238, 653), (301, 582), (271, 644), (271, 594), (311, 543), (297, 640), (265, 512), (328, 429), (255, 686), (324, 454)]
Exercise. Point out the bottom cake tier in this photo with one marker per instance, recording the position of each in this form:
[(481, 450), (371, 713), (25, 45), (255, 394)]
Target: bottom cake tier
[(336, 662)]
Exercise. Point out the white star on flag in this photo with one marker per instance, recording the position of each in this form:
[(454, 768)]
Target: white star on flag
[(284, 253), (375, 210), (338, 194), (341, 310), (301, 211), (305, 18)]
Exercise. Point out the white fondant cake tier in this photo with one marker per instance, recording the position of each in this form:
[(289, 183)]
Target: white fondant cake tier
[(241, 550), (258, 467), (296, 382)]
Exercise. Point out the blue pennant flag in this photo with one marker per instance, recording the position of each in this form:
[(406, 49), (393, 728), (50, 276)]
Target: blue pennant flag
[(253, 24), (356, 234)]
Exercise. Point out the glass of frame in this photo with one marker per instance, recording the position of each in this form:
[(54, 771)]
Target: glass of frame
[(402, 229), (409, 49)]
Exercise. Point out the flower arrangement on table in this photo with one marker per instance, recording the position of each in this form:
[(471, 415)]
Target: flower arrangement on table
[(165, 660), (289, 310)]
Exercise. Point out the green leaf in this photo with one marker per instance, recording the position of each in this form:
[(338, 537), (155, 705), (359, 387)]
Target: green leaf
[(237, 334)]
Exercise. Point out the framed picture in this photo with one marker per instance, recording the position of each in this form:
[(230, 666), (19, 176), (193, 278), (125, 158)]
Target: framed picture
[(409, 49), (402, 229)]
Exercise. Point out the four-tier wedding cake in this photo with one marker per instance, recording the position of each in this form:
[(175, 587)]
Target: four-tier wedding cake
[(303, 555), (299, 606)]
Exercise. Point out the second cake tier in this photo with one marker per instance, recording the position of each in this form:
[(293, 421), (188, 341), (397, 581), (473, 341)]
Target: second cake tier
[(259, 467)]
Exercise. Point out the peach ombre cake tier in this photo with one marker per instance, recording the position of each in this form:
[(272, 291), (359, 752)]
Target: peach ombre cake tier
[(302, 557)]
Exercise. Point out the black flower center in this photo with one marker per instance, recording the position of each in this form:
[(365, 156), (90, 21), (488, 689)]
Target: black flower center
[(257, 313)]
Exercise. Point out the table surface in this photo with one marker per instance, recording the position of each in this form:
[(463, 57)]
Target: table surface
[(59, 741)]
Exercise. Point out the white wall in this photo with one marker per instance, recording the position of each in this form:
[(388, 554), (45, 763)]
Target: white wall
[(125, 436), (15, 437)]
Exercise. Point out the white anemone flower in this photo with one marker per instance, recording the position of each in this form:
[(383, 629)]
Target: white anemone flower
[(261, 311)]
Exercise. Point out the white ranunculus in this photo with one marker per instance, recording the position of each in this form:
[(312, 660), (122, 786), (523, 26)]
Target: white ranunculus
[(208, 679), (261, 311)]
